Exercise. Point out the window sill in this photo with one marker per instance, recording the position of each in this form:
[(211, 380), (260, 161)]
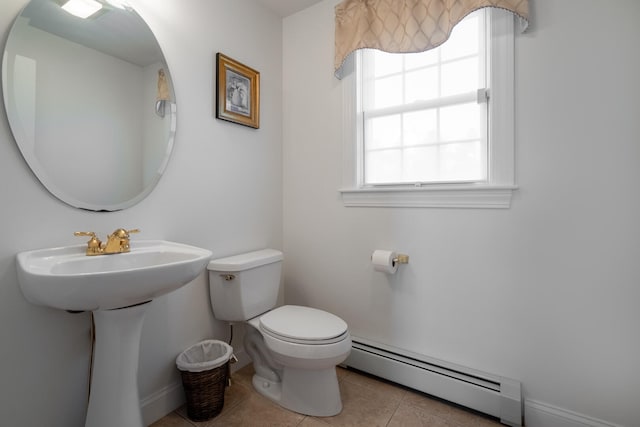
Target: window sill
[(450, 196)]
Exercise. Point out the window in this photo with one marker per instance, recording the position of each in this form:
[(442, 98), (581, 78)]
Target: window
[(434, 128), (421, 116)]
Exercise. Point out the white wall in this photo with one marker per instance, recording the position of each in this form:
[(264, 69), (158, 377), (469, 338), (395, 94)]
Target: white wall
[(546, 292), (222, 190)]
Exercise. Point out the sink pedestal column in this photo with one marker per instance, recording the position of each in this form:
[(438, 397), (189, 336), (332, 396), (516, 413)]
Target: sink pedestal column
[(114, 399)]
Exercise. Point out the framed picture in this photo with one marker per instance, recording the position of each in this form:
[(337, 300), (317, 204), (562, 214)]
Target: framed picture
[(237, 92)]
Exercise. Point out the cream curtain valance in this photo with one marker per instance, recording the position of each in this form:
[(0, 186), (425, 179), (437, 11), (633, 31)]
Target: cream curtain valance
[(404, 26)]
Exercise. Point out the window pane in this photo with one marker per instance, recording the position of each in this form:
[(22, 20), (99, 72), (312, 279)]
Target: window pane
[(460, 122), (462, 162), (383, 132), (421, 164), (422, 59), (383, 166), (460, 77), (420, 127), (387, 92), (421, 85), (386, 63), (463, 41)]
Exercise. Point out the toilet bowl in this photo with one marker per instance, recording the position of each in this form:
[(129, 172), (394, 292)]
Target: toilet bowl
[(294, 349), (300, 367)]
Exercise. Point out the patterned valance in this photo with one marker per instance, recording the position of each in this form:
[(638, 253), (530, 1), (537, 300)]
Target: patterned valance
[(404, 26)]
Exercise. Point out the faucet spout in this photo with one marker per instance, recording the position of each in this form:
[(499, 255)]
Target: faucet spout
[(118, 241)]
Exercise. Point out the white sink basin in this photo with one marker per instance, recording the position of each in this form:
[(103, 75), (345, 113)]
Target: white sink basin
[(67, 279)]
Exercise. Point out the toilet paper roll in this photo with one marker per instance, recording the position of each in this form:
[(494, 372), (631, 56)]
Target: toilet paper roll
[(384, 261)]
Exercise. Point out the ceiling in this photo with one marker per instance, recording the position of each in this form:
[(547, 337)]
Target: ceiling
[(98, 33), (119, 33), (288, 7)]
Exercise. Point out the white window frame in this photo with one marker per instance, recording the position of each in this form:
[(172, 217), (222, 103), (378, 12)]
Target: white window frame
[(496, 192)]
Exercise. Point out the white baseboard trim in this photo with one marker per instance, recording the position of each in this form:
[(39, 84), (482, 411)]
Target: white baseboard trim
[(162, 403), (539, 414)]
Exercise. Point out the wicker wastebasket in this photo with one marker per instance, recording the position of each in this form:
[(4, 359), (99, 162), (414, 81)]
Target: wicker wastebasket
[(204, 368)]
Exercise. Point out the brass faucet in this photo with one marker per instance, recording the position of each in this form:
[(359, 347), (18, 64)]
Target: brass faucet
[(117, 242)]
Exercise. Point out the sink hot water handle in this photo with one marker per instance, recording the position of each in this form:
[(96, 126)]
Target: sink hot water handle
[(94, 245)]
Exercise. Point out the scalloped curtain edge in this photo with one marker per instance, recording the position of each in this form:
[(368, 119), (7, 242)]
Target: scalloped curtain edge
[(406, 26)]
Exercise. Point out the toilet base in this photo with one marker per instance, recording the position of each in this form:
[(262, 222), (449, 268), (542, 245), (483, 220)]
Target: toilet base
[(294, 392)]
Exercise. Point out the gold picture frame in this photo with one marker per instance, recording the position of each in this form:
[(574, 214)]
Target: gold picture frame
[(237, 92)]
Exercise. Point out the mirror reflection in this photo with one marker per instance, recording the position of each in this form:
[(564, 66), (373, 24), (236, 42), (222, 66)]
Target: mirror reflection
[(90, 102)]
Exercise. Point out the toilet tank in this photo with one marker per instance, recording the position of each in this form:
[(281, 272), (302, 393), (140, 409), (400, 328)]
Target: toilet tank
[(244, 286)]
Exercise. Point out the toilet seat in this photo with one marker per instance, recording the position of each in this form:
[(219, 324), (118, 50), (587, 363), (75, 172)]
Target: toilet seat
[(303, 325)]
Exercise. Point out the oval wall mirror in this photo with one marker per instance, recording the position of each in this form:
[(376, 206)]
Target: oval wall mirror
[(90, 102)]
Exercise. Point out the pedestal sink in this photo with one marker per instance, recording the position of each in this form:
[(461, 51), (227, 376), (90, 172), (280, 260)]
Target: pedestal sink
[(116, 288)]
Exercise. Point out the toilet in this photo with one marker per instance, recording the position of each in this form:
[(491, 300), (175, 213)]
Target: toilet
[(294, 349)]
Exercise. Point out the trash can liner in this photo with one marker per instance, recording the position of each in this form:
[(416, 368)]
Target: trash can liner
[(204, 355)]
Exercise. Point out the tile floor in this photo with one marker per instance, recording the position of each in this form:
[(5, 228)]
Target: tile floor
[(367, 401)]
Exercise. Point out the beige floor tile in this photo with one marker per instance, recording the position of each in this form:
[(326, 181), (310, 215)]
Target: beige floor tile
[(470, 419), (392, 391), (427, 404), (243, 376), (235, 394), (363, 405), (449, 412), (412, 416), (313, 422), (256, 411), (172, 420), (367, 402), (341, 372)]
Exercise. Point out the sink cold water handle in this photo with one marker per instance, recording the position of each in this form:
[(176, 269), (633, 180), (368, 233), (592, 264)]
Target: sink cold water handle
[(85, 233)]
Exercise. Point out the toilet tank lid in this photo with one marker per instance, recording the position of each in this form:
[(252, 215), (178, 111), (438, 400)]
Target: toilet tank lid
[(246, 261)]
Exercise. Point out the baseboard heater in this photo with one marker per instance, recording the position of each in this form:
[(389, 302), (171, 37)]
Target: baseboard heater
[(494, 395)]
